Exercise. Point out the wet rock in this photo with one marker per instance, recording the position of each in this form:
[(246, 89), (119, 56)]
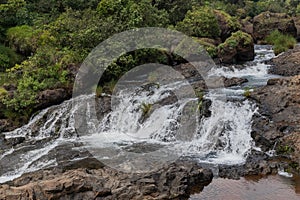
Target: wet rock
[(234, 81), (175, 181), (266, 22), (278, 122), (286, 64), (14, 141)]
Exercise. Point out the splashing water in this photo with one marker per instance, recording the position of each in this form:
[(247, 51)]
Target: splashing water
[(166, 133)]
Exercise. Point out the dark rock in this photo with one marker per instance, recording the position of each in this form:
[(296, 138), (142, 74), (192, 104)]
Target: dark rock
[(266, 22), (286, 64), (247, 26), (48, 98), (297, 25), (278, 122), (228, 82), (175, 181), (14, 141), (227, 24)]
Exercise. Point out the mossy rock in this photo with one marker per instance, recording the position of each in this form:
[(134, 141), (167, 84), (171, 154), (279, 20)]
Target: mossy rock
[(238, 47), (227, 24), (266, 22), (209, 45)]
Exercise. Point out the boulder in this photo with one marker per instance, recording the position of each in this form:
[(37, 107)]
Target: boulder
[(247, 26), (227, 24), (174, 181), (234, 81), (266, 22), (237, 48), (286, 64), (51, 97)]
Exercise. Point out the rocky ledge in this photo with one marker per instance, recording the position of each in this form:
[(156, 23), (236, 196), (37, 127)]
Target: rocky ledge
[(175, 181), (277, 126), (287, 64)]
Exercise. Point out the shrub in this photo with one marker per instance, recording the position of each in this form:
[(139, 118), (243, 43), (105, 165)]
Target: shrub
[(200, 22), (8, 58), (280, 41), (22, 40), (237, 38)]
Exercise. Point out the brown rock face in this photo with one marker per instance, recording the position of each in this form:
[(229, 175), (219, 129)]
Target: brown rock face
[(266, 22), (175, 181), (287, 64), (279, 122), (51, 97), (297, 25)]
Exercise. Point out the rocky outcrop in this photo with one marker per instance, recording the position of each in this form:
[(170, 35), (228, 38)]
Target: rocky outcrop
[(247, 26), (175, 181), (227, 24), (266, 22), (237, 48), (297, 25), (49, 97), (234, 81), (286, 64), (277, 126)]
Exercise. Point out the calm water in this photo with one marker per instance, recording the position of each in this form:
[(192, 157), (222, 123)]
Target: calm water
[(256, 188)]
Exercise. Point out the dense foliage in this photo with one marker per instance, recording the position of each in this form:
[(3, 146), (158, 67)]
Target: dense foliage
[(42, 41)]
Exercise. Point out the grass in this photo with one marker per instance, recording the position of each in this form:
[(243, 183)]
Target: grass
[(247, 92), (280, 41)]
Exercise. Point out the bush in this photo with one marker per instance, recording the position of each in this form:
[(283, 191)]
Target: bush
[(8, 58), (280, 41), (235, 39), (21, 39), (200, 22)]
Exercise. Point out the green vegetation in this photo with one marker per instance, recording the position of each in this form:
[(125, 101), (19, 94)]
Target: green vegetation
[(200, 22), (247, 92), (146, 108), (281, 41), (8, 58), (43, 43)]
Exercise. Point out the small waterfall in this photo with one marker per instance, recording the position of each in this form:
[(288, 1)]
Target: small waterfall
[(124, 137)]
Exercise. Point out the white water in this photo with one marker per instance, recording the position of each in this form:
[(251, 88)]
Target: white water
[(223, 138)]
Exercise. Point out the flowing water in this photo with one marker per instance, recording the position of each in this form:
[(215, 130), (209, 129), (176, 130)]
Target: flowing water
[(127, 140)]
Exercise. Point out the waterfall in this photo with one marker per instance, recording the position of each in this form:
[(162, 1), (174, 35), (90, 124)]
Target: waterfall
[(128, 137)]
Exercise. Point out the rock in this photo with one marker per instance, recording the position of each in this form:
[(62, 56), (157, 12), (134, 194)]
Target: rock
[(297, 25), (49, 97), (247, 26), (14, 141), (278, 125), (175, 181), (227, 24), (237, 48), (266, 22), (286, 64), (234, 81)]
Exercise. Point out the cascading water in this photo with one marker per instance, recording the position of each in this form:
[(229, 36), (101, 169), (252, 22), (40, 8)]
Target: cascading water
[(125, 135)]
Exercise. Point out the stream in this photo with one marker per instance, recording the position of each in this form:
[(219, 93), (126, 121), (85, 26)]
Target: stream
[(128, 141)]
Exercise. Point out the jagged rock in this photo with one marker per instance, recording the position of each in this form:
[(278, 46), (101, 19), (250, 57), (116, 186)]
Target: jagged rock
[(175, 181), (278, 122), (286, 64), (266, 22), (234, 81)]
